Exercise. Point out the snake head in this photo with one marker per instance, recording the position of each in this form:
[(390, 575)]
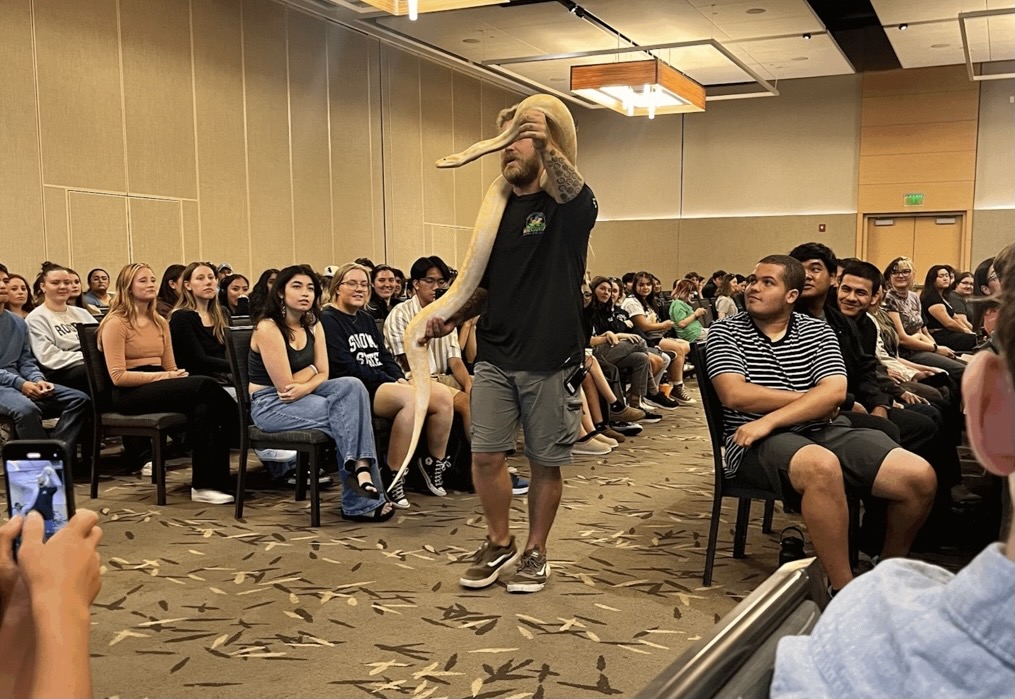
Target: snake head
[(449, 161)]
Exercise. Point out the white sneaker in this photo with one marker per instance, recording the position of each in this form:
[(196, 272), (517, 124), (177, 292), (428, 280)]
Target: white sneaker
[(212, 497), (146, 470), (590, 447), (281, 455)]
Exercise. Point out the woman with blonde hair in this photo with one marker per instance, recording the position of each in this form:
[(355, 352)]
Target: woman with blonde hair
[(138, 349)]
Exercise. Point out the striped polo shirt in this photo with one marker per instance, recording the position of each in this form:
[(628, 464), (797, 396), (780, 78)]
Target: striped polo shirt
[(441, 349), (807, 353)]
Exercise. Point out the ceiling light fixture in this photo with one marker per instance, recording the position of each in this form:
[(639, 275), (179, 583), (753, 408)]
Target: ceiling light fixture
[(638, 88), (413, 8), (807, 36), (903, 27)]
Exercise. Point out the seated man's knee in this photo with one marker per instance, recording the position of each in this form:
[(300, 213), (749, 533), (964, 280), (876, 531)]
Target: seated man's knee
[(816, 467)]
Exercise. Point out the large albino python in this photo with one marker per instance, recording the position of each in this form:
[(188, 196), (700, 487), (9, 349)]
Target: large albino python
[(562, 132)]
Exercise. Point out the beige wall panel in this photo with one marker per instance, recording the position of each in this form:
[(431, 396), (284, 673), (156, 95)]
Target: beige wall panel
[(633, 165), (57, 241), (264, 41), (79, 93), (158, 97), (469, 186), (156, 232), (403, 179), (218, 73), (917, 80), (736, 244), (463, 236), (920, 108), (995, 162), (21, 204), (992, 230), (442, 241), (935, 137), (938, 196), (438, 125), (792, 154), (308, 108), (192, 233), (918, 167), (357, 193), (98, 231), (617, 247), (492, 100)]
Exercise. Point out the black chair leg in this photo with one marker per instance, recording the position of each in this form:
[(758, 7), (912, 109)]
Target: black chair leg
[(740, 533), (96, 449), (301, 467), (766, 522), (159, 466), (713, 536), (315, 492), (241, 476)]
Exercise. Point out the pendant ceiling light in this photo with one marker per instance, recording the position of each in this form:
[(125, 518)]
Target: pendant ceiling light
[(412, 8), (638, 88)]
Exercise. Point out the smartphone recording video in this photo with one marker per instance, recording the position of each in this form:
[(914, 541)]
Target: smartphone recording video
[(36, 480)]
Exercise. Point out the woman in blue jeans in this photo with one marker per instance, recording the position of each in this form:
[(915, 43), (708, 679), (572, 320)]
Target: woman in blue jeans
[(290, 390)]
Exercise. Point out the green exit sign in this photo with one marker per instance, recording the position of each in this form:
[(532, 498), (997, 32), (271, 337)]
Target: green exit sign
[(913, 199)]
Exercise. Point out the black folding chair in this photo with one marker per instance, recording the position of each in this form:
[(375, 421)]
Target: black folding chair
[(737, 659), (310, 445), (106, 421), (724, 488)]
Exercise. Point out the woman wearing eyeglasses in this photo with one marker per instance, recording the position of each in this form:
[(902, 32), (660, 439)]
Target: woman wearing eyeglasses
[(906, 313), (356, 348), (945, 327)]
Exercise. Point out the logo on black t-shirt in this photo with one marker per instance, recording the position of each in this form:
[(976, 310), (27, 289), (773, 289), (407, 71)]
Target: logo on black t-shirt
[(535, 224)]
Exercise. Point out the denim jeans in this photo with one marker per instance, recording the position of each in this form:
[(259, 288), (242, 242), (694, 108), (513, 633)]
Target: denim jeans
[(71, 406), (339, 407)]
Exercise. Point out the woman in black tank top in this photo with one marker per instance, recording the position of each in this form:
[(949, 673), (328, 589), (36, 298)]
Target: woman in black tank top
[(290, 390)]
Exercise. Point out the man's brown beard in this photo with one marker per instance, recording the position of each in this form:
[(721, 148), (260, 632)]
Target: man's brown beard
[(523, 173)]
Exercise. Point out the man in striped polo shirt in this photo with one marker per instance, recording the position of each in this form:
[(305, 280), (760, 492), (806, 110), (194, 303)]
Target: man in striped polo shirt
[(781, 378)]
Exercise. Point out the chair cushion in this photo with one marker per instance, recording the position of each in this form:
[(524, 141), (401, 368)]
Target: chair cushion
[(150, 421), (289, 437)]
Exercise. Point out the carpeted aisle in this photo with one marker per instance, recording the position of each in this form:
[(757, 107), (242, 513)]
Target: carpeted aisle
[(195, 603)]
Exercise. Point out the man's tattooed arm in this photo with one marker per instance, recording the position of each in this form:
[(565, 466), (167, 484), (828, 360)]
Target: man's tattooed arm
[(472, 308), (563, 180)]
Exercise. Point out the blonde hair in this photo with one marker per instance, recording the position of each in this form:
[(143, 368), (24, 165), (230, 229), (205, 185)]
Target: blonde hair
[(188, 302), (340, 277), (123, 305)]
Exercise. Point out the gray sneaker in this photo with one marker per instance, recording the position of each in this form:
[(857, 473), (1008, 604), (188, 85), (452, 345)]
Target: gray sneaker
[(487, 563), (532, 573)]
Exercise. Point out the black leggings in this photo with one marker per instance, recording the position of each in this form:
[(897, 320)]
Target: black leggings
[(212, 423), (75, 377)]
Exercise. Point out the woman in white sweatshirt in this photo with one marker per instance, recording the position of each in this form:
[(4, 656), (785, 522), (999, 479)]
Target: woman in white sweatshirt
[(52, 334)]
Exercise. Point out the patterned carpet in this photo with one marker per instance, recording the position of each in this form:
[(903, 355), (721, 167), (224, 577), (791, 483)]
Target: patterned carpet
[(195, 603)]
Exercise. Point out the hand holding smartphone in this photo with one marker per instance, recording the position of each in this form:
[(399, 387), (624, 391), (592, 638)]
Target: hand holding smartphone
[(36, 480)]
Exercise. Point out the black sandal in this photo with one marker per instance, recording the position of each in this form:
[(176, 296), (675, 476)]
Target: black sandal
[(376, 515), (367, 489)]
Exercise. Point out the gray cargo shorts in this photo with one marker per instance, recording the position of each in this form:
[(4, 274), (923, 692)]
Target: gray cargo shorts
[(503, 400)]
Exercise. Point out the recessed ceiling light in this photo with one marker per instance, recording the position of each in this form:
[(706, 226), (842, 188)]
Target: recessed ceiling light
[(903, 27), (800, 58), (807, 36), (756, 11), (470, 41), (939, 46)]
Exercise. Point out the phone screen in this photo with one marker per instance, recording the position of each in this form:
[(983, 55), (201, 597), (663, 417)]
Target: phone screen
[(37, 484)]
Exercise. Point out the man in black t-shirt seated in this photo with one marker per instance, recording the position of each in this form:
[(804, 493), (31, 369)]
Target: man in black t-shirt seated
[(781, 377)]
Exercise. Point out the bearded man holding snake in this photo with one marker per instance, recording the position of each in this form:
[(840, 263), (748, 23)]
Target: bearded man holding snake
[(530, 345)]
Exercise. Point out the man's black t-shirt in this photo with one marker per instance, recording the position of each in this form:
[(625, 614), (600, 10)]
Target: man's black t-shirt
[(533, 317)]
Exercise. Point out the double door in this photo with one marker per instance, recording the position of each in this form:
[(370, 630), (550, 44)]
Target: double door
[(927, 240)]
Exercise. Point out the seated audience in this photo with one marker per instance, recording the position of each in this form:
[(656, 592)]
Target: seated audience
[(723, 299), (641, 307), (169, 290), (711, 287), (399, 293), (52, 334), (233, 297), (904, 309), (259, 294), (985, 290), (19, 300), (45, 598), (223, 271), (138, 350), (959, 293), (290, 390), (98, 295), (75, 297), (356, 348), (428, 276), (26, 397), (781, 378), (938, 314), (197, 326), (911, 629), (686, 319), (383, 298)]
